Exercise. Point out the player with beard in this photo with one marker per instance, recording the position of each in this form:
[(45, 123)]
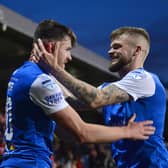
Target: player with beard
[(138, 91)]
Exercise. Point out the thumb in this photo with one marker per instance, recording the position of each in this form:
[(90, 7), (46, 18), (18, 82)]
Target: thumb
[(56, 48), (132, 119), (56, 52)]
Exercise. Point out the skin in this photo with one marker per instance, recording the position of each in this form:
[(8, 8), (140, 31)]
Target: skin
[(127, 54), (121, 53), (64, 55), (70, 120)]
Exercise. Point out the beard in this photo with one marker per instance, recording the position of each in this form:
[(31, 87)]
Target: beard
[(119, 63)]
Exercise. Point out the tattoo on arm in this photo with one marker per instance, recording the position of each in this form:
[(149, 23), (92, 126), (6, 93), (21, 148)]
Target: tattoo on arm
[(90, 94), (112, 94), (77, 104)]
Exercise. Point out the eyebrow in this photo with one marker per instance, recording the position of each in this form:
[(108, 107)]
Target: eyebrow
[(116, 43)]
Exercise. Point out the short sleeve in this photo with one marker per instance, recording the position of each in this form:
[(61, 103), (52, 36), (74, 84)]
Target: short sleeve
[(138, 83), (46, 93)]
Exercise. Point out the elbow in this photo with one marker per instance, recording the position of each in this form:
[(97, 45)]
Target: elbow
[(83, 136), (95, 104), (97, 101), (81, 140)]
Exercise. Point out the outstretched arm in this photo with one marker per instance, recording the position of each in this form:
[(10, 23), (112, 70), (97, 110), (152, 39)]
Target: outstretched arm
[(92, 96), (93, 133)]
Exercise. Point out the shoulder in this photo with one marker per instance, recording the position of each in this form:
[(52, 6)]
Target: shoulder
[(45, 81), (29, 71), (138, 83), (45, 85), (139, 74), (104, 85)]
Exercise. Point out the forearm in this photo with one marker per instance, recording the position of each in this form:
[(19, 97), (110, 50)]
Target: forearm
[(85, 132), (103, 134), (80, 89), (78, 105)]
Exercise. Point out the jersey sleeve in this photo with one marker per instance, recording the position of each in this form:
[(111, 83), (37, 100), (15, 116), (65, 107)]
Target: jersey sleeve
[(46, 93), (138, 84)]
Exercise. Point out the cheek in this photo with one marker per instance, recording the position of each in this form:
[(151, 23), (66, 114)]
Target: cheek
[(126, 54)]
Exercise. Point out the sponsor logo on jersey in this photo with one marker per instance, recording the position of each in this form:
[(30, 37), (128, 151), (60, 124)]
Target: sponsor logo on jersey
[(139, 75), (49, 84), (54, 99)]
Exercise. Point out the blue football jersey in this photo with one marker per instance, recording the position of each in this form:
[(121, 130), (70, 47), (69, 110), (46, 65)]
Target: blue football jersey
[(149, 103), (32, 94)]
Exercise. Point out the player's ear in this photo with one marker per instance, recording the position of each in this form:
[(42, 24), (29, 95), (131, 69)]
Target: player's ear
[(137, 50), (49, 46)]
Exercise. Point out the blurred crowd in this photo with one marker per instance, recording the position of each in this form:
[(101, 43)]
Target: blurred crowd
[(2, 130), (82, 156)]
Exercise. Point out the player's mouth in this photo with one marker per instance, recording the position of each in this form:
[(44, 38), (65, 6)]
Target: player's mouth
[(114, 59)]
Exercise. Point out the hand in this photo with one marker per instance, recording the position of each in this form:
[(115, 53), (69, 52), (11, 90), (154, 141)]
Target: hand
[(139, 130), (45, 59)]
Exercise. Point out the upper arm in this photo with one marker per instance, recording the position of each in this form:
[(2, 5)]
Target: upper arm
[(45, 93), (70, 120), (138, 84), (109, 95)]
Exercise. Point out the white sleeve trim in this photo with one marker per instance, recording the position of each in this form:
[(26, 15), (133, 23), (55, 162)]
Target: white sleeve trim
[(138, 84), (46, 93)]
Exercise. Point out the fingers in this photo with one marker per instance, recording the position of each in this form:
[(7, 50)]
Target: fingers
[(34, 54), (141, 130), (144, 137), (56, 48), (39, 49), (147, 127), (147, 130), (56, 53), (36, 51), (147, 122), (41, 46)]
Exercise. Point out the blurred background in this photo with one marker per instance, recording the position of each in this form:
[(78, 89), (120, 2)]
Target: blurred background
[(92, 21)]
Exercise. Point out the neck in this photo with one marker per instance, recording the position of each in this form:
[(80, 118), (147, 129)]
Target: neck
[(130, 67)]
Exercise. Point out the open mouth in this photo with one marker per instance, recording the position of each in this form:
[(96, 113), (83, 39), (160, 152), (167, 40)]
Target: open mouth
[(113, 60)]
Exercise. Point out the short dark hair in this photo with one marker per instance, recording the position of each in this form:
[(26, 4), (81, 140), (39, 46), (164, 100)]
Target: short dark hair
[(52, 30), (134, 31)]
